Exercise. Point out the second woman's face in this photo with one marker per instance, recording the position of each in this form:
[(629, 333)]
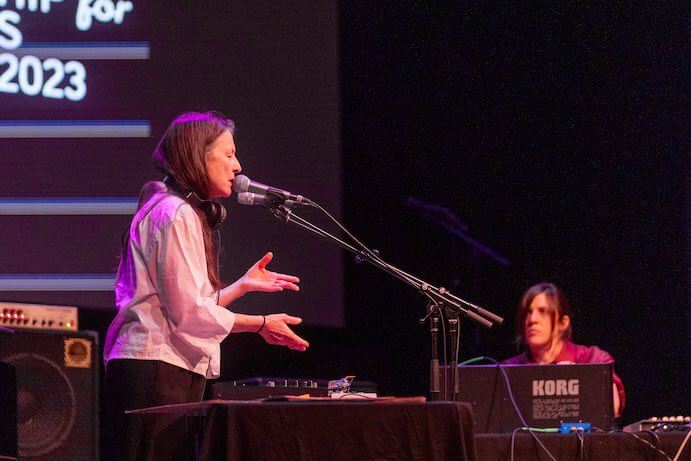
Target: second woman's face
[(222, 165), (538, 322)]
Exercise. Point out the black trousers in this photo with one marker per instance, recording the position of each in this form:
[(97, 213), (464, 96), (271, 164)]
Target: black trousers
[(132, 384)]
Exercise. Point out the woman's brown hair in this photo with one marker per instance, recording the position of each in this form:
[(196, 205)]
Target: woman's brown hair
[(181, 154)]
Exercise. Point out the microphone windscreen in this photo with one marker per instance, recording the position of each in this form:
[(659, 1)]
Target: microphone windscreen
[(246, 198), (241, 184)]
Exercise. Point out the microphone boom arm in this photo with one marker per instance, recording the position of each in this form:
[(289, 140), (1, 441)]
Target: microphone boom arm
[(435, 294)]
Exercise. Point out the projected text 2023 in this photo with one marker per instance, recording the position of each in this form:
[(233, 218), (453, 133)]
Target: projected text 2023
[(49, 77)]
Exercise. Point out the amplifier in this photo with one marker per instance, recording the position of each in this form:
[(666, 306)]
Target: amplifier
[(38, 317), (236, 390), (8, 412), (57, 394)]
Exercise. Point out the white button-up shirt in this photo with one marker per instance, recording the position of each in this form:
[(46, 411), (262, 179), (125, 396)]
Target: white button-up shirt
[(167, 308)]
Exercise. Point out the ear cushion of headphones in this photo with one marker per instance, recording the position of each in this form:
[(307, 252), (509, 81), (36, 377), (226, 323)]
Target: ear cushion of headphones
[(215, 213)]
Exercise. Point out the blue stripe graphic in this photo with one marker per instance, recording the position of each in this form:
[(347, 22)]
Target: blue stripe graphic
[(57, 282), (55, 206)]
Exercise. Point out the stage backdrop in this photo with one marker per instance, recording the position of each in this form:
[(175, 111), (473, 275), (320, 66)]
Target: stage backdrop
[(86, 90)]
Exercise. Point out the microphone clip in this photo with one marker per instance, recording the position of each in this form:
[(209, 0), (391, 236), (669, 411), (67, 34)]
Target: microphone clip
[(280, 212), (277, 196)]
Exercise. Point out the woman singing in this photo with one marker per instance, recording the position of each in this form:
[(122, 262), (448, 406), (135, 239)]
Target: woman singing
[(165, 340)]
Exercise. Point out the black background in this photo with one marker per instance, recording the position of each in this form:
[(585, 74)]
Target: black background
[(556, 133)]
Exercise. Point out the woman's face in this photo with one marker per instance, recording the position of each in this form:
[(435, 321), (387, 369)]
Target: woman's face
[(538, 326), (222, 165)]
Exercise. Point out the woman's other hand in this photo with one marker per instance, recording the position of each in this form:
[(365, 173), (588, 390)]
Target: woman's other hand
[(277, 332)]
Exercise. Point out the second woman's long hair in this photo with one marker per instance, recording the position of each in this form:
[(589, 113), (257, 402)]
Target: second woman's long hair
[(559, 306)]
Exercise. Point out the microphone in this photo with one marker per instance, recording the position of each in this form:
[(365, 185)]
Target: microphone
[(243, 184), (250, 198)]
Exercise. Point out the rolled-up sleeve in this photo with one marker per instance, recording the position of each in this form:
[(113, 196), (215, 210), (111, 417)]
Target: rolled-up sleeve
[(194, 317)]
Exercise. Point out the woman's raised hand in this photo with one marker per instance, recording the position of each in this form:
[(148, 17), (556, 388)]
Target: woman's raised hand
[(259, 278)]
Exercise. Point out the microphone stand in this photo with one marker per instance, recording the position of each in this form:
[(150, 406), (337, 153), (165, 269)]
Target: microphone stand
[(433, 314), (438, 297), (455, 338)]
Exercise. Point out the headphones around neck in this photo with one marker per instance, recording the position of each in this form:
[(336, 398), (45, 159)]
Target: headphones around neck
[(213, 210)]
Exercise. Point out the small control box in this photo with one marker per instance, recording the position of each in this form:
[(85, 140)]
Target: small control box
[(571, 428)]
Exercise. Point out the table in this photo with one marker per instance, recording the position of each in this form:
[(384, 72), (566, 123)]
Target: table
[(596, 447), (340, 430), (399, 429)]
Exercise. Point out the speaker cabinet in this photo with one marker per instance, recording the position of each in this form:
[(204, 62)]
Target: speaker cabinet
[(8, 411), (57, 393)]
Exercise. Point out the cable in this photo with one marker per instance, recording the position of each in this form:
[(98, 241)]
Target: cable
[(530, 430), (683, 444), (645, 442), (456, 376), (400, 273), (586, 454), (513, 441), (658, 444), (396, 272), (369, 252), (442, 321), (218, 249), (581, 445)]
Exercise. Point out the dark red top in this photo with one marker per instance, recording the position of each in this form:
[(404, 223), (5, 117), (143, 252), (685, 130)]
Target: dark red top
[(574, 353)]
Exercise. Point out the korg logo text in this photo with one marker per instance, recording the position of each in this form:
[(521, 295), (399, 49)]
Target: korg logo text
[(555, 387)]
